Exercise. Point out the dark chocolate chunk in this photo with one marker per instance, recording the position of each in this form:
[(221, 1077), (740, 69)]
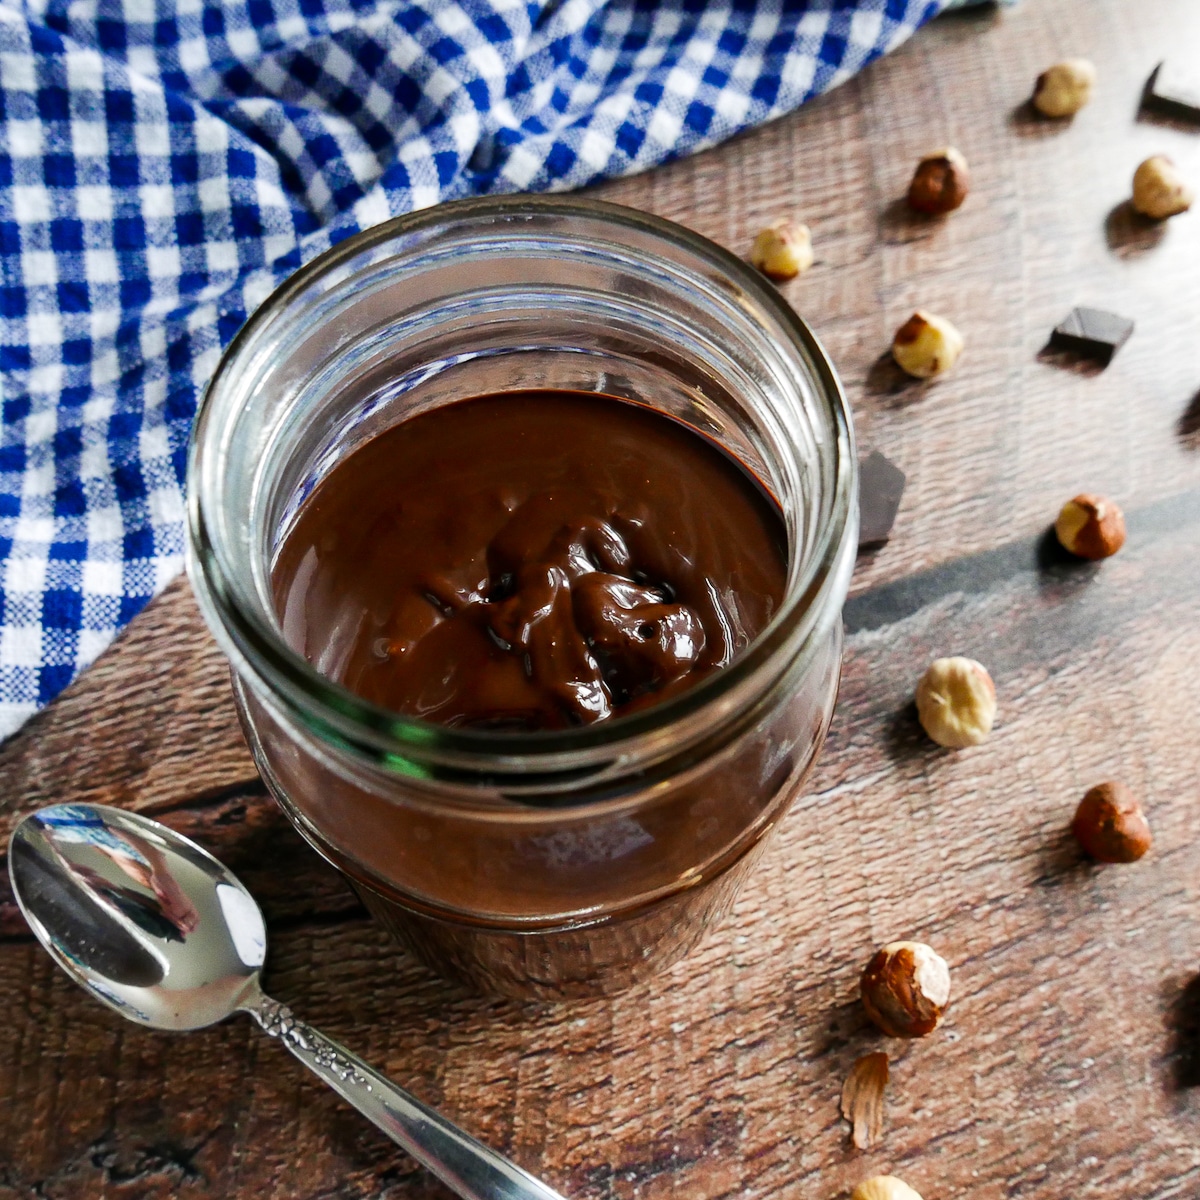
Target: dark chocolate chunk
[(1175, 90), (1093, 332), (880, 486)]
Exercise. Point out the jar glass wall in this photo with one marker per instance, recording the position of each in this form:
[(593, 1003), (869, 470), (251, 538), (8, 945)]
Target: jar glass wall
[(536, 864)]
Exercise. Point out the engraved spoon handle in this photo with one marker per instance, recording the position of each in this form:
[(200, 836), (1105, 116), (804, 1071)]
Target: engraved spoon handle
[(467, 1166)]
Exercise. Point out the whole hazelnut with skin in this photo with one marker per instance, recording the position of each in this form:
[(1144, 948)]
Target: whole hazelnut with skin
[(1110, 825), (1065, 88), (956, 702), (1159, 190), (905, 989), (1090, 526), (926, 345), (940, 183), (783, 250), (884, 1187)]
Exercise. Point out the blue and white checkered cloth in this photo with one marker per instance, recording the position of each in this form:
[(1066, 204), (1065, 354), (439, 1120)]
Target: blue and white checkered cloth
[(165, 163)]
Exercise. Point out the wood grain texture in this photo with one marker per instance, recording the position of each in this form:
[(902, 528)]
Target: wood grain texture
[(1069, 1061)]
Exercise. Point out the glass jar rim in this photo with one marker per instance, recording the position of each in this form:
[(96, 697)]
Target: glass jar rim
[(330, 708)]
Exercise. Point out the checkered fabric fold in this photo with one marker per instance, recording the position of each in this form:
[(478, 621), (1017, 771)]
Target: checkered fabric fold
[(165, 163)]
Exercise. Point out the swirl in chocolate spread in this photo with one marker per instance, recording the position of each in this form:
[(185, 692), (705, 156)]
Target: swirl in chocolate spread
[(530, 561)]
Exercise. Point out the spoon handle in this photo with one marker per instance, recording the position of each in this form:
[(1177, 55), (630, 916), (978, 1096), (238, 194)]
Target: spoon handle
[(470, 1168)]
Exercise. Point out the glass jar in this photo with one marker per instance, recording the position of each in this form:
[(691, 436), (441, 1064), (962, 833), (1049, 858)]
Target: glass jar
[(553, 864)]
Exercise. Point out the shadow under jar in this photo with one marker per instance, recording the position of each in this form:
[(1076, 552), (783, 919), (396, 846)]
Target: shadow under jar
[(566, 862)]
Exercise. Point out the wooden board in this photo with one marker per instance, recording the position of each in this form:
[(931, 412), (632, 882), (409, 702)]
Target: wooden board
[(1068, 1063)]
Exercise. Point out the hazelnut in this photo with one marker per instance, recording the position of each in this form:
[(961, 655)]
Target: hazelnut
[(940, 183), (905, 989), (1065, 88), (1090, 526), (783, 250), (1110, 825), (1159, 190), (956, 702), (926, 345), (884, 1187)]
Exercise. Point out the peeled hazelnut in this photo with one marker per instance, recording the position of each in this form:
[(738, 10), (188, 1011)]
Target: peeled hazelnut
[(940, 183), (926, 345), (905, 989), (1090, 526), (783, 250), (956, 702), (1065, 88), (1159, 190), (884, 1187), (1110, 825)]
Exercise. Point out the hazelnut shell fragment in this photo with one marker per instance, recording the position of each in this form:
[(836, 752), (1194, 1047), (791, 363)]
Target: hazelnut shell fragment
[(956, 702), (926, 345), (906, 989), (1090, 526), (1110, 825), (884, 1187), (1065, 88), (783, 250), (862, 1098), (940, 183), (1159, 190)]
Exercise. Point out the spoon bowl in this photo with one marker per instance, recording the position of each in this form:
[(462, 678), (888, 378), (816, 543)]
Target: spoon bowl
[(151, 925), (156, 928)]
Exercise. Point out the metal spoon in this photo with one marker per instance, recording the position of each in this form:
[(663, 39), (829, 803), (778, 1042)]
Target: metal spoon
[(158, 929)]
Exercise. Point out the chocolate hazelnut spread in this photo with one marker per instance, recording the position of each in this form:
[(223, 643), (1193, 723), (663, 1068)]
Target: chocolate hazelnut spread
[(530, 561)]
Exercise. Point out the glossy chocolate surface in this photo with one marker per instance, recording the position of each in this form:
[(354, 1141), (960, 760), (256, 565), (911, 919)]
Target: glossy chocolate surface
[(530, 561)]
